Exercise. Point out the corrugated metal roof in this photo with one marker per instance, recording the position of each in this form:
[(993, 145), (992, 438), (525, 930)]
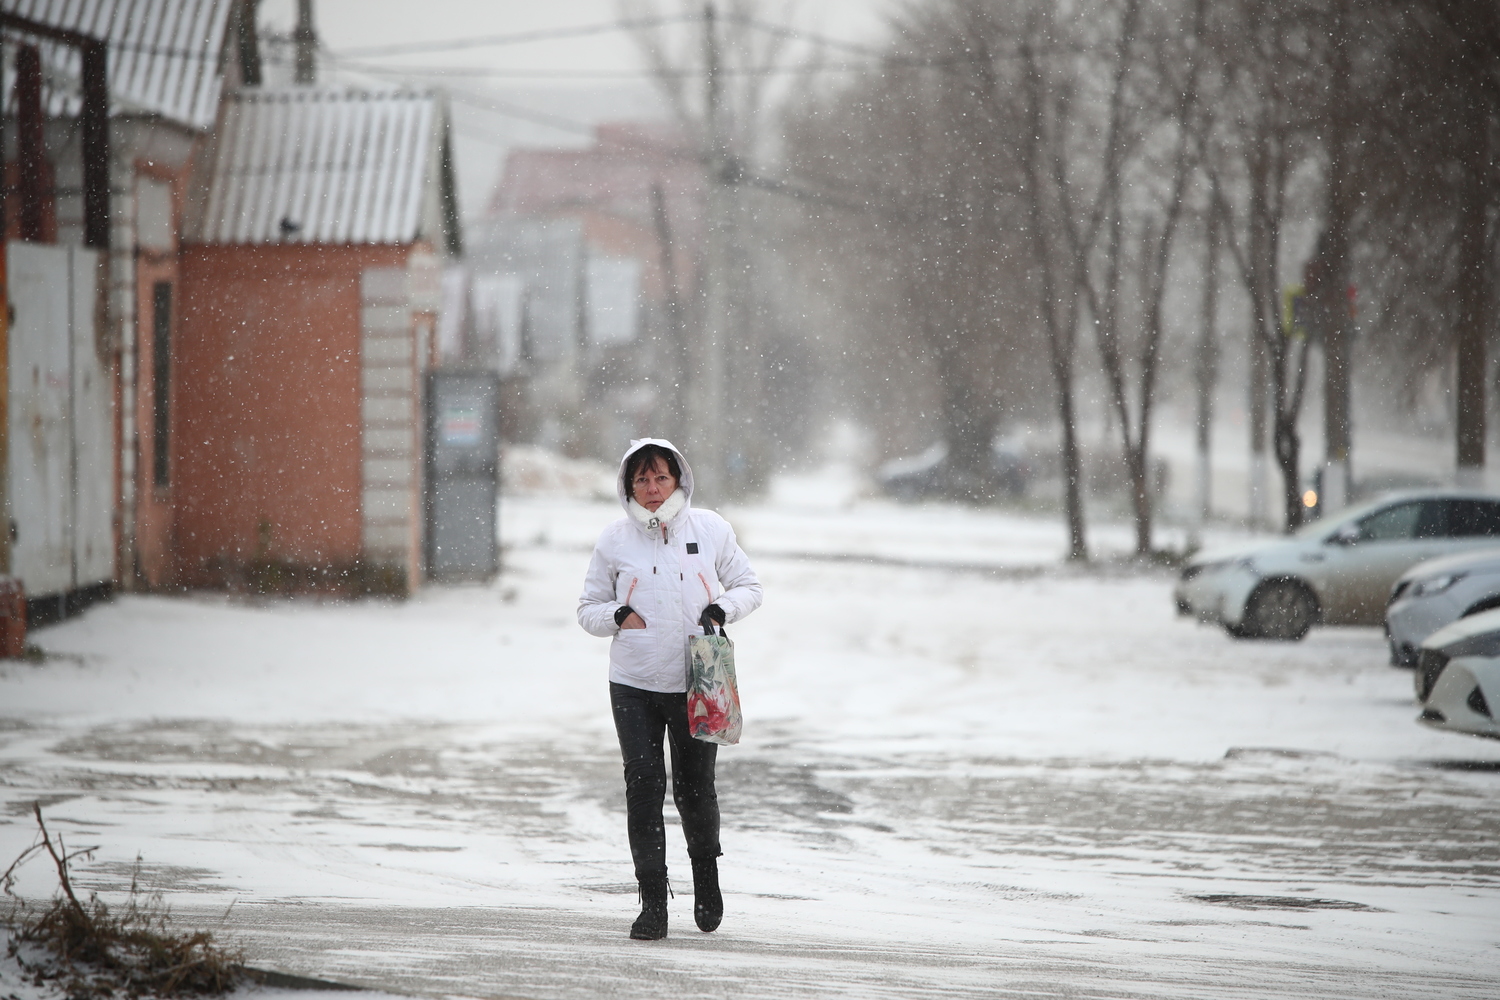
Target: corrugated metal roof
[(164, 55), (314, 165)]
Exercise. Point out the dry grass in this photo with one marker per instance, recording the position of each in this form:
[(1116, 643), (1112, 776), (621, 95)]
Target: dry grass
[(89, 952)]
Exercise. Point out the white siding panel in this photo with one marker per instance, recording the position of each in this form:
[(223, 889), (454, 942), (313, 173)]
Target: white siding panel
[(387, 441), (393, 378), (387, 409), (387, 537), (387, 504), (388, 472), (391, 320), (387, 350)]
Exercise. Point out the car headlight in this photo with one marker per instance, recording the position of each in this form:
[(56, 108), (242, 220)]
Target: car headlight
[(1435, 584), (1216, 566)]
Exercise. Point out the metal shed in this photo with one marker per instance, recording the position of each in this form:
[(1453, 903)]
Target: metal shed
[(311, 263)]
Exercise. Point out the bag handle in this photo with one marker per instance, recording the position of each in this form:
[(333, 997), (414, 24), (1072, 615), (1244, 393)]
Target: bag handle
[(709, 625)]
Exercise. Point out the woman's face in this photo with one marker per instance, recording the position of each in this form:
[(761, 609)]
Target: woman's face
[(652, 485)]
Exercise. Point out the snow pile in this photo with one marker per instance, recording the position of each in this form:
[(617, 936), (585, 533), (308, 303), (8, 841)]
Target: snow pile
[(527, 470)]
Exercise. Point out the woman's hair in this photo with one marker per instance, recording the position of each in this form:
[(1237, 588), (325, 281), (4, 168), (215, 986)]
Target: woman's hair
[(646, 457)]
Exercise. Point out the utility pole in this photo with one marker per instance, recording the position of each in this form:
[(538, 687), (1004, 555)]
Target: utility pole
[(1473, 307), (677, 341), (707, 415), (1326, 283), (5, 554), (1207, 368), (1255, 416), (306, 40), (247, 42)]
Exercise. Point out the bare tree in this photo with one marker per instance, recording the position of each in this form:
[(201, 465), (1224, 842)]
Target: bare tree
[(1125, 242), (1059, 239), (1262, 141), (1171, 59), (1424, 233)]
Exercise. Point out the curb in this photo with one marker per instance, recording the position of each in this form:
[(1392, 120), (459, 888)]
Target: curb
[(285, 981)]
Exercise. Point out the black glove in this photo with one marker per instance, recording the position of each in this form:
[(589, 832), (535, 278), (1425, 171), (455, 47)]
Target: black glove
[(715, 614)]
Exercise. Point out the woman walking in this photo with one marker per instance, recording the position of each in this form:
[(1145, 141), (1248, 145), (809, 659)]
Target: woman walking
[(656, 574)]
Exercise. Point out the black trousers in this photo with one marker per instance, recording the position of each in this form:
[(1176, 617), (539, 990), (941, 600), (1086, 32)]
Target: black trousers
[(641, 719)]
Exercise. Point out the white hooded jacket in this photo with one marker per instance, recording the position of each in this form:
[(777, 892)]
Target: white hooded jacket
[(668, 575)]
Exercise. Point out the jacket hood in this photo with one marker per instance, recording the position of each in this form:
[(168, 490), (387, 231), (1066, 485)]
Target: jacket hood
[(685, 483)]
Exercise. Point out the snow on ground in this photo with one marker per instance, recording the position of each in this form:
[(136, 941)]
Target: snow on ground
[(830, 514), (966, 773)]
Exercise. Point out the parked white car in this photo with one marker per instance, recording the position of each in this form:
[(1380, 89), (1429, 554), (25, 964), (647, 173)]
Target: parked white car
[(1458, 675), (1337, 571), (1436, 593)]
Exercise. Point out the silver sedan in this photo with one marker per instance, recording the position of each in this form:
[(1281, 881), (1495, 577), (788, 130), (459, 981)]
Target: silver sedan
[(1334, 572)]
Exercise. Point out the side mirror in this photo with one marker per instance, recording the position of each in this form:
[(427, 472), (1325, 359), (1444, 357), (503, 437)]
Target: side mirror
[(1347, 534)]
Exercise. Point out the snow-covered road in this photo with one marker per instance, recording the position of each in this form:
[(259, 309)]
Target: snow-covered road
[(1026, 781)]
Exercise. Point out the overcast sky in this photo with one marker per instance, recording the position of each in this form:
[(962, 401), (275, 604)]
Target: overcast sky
[(582, 79)]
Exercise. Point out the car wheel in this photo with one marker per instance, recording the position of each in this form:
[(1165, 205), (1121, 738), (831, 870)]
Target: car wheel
[(1279, 609)]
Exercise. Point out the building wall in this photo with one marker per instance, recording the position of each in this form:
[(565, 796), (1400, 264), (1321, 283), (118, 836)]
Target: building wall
[(266, 452)]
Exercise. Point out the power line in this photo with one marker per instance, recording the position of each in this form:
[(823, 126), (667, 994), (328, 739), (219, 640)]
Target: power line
[(539, 35), (824, 41), (888, 203), (209, 52), (479, 72)]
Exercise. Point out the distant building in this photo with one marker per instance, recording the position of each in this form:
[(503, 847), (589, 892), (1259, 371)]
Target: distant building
[(591, 253)]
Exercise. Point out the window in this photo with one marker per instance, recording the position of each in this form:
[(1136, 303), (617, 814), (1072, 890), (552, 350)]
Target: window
[(1394, 524), (1468, 518), (161, 380)]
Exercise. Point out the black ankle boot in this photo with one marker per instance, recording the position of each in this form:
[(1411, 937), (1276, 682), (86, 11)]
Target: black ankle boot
[(708, 902), (651, 925)]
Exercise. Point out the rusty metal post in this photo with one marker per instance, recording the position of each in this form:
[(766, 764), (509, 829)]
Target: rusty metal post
[(5, 561), (306, 38), (31, 157), (95, 128)]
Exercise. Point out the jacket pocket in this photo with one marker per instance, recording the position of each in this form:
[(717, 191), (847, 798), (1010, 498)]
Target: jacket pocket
[(634, 650)]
